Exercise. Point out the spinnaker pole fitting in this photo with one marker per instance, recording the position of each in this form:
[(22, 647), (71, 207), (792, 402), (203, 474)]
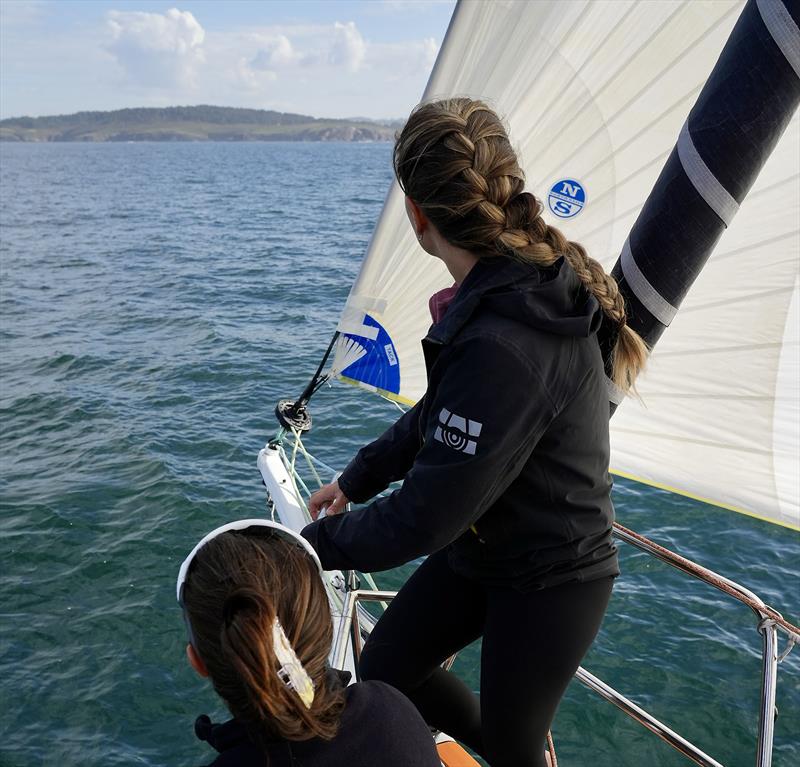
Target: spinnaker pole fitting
[(294, 415)]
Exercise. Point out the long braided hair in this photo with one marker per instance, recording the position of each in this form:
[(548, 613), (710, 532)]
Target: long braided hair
[(454, 159)]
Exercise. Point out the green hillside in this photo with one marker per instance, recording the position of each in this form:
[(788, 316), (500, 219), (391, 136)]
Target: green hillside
[(199, 123)]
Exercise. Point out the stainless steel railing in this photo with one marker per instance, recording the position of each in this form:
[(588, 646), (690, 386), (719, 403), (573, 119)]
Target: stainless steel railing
[(768, 622), (349, 633)]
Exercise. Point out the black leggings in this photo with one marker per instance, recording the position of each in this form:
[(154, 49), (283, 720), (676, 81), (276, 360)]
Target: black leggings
[(532, 645)]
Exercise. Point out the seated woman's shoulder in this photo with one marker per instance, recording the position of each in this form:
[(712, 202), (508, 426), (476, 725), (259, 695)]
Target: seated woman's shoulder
[(379, 727), (375, 693), (390, 725)]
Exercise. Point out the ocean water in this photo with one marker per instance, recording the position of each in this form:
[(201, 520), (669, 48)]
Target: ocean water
[(155, 302)]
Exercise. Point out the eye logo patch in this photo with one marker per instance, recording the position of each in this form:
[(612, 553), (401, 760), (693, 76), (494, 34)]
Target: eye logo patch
[(457, 432)]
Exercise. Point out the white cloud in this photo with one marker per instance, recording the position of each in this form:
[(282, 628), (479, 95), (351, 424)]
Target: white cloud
[(251, 74), (276, 52), (129, 58), (430, 50), (401, 61), (154, 49), (321, 69), (348, 48), (326, 48)]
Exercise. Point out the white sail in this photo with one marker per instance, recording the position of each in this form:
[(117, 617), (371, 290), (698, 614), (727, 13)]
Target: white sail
[(595, 94)]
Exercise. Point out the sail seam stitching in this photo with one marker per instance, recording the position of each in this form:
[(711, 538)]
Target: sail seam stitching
[(652, 300), (784, 31), (704, 181)]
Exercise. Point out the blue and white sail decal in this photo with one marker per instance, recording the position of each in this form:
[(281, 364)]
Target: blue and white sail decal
[(365, 353), (566, 198), (376, 363)]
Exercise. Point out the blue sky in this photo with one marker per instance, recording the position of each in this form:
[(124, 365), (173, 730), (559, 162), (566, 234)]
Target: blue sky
[(321, 57)]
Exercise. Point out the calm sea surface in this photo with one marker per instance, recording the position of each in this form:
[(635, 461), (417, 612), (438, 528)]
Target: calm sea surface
[(157, 299)]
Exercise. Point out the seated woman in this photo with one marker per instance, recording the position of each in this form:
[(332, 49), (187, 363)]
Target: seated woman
[(260, 627)]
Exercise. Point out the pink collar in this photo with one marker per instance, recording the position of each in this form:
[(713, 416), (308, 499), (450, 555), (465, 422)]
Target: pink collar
[(440, 300)]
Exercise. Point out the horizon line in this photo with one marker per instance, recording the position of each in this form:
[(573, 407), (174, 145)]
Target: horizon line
[(196, 106)]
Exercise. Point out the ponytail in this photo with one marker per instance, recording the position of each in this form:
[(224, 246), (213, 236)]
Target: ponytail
[(243, 589)]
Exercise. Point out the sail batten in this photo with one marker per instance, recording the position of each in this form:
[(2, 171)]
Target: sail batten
[(609, 97)]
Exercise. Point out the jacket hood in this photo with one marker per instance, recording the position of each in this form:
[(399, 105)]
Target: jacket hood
[(552, 299)]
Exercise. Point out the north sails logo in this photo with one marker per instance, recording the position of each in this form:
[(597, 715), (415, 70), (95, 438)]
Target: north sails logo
[(456, 431), (566, 198)]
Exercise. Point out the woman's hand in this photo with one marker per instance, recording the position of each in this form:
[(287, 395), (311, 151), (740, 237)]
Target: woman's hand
[(330, 497)]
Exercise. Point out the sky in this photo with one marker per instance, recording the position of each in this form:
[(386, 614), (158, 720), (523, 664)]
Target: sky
[(323, 57)]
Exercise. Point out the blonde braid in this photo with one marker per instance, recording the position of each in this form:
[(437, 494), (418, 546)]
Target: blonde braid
[(454, 159), (630, 351)]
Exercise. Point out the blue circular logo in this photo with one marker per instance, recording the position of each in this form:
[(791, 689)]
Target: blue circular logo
[(566, 198)]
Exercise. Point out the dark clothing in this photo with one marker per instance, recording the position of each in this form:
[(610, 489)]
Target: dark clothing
[(532, 645), (505, 458), (379, 726), (506, 486)]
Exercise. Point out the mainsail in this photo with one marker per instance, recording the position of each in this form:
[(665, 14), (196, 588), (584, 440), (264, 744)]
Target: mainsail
[(596, 95)]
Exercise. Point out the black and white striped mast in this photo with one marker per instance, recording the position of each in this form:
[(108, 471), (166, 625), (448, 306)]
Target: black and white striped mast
[(736, 122)]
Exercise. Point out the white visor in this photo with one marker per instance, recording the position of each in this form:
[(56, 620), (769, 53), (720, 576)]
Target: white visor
[(243, 524)]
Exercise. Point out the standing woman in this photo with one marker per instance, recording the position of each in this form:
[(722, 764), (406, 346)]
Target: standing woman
[(505, 458)]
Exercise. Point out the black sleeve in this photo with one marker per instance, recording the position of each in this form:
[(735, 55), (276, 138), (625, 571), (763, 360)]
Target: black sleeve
[(385, 460), (489, 410)]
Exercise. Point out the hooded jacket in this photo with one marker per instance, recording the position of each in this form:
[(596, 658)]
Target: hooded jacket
[(505, 459), (379, 726)]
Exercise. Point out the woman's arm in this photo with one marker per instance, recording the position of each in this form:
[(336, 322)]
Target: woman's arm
[(384, 460), (489, 410)]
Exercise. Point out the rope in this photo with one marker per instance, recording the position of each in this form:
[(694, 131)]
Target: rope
[(278, 438), (767, 612), (294, 455), (303, 484), (291, 467), (551, 750), (307, 456), (786, 650), (293, 475)]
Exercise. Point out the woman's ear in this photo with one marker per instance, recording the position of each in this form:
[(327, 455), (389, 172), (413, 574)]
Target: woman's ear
[(195, 661), (417, 218)]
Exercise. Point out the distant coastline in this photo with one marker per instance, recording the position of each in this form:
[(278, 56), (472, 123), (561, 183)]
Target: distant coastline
[(197, 123)]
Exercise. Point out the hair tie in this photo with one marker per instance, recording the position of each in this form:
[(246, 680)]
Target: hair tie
[(233, 604), (291, 672)]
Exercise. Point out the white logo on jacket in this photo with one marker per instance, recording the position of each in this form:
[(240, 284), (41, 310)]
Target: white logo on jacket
[(455, 431)]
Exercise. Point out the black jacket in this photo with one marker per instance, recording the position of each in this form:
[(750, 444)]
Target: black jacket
[(379, 726), (505, 458)]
